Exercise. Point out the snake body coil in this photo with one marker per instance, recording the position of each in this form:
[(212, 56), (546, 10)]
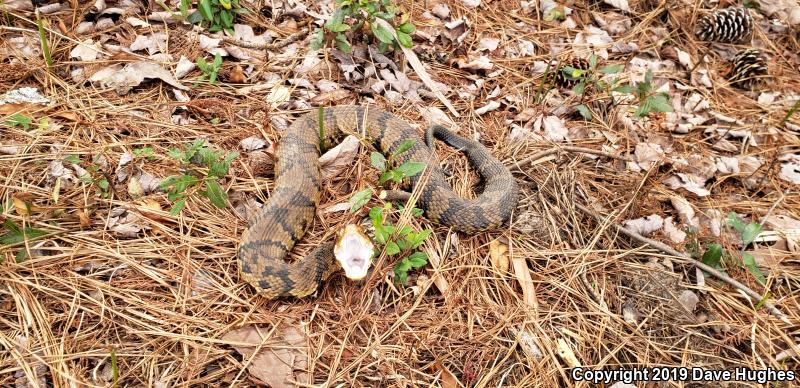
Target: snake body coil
[(273, 233)]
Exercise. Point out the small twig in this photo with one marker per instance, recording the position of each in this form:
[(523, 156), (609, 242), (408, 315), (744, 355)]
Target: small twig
[(711, 270), (555, 150), (267, 46)]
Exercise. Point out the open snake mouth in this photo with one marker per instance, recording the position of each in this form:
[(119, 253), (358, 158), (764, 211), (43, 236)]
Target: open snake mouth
[(353, 252)]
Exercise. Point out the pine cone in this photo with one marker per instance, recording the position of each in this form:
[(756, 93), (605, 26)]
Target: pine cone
[(564, 80), (730, 25), (749, 69)]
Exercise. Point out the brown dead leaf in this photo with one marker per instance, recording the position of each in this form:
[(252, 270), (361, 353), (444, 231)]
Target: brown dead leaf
[(71, 116), (23, 205), (449, 380), (150, 208), (83, 218), (237, 75), (277, 359), (339, 158), (10, 109), (498, 254)]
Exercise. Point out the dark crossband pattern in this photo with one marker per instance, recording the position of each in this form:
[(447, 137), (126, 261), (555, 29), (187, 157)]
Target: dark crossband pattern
[(291, 208)]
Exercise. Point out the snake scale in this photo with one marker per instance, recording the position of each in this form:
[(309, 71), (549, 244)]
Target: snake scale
[(272, 233)]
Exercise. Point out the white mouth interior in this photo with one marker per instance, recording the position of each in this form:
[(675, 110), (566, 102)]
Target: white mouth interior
[(354, 252)]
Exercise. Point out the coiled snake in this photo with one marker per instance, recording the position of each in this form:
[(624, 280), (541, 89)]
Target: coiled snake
[(292, 204)]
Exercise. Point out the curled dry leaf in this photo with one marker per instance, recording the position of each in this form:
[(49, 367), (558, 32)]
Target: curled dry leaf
[(123, 78), (252, 143), (498, 255), (448, 379), (645, 225), (434, 115), (689, 182), (281, 360), (481, 63), (790, 168), (672, 232), (685, 210), (490, 106), (339, 158)]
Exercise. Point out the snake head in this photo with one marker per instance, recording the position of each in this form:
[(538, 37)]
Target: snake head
[(354, 251)]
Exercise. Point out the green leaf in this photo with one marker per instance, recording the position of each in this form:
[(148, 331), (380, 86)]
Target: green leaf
[(400, 275), (144, 151), (72, 159), (16, 235), (750, 262), (392, 248), (612, 69), (660, 103), (407, 28), (195, 17), (359, 199), (555, 13), (103, 184), (409, 168), (713, 255), (378, 160), (19, 120), (750, 232), (382, 234), (404, 146), (404, 39), (227, 19), (592, 61), (220, 168), (579, 88), (382, 33), (205, 9), (342, 43), (217, 61), (215, 193), (177, 207), (584, 111), (318, 40), (628, 89), (763, 300), (376, 213), (648, 78), (736, 222), (418, 259), (391, 175), (337, 27), (417, 239)]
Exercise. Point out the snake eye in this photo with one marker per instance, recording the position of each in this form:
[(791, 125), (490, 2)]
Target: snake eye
[(354, 252)]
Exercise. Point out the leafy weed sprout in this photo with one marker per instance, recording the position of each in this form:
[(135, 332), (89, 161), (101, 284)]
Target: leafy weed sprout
[(351, 16), (715, 255), (402, 242), (178, 187)]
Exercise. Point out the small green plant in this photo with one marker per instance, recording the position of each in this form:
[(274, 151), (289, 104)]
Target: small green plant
[(591, 78), (216, 14), (748, 232), (402, 242), (15, 235), (178, 187), (19, 120), (93, 176), (144, 152), (48, 58), (350, 16), (715, 255), (210, 70), (397, 174), (649, 101)]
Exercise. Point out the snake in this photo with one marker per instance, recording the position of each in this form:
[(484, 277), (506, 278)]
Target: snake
[(273, 232)]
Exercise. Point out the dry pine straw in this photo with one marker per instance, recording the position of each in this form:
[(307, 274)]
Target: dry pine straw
[(162, 300)]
